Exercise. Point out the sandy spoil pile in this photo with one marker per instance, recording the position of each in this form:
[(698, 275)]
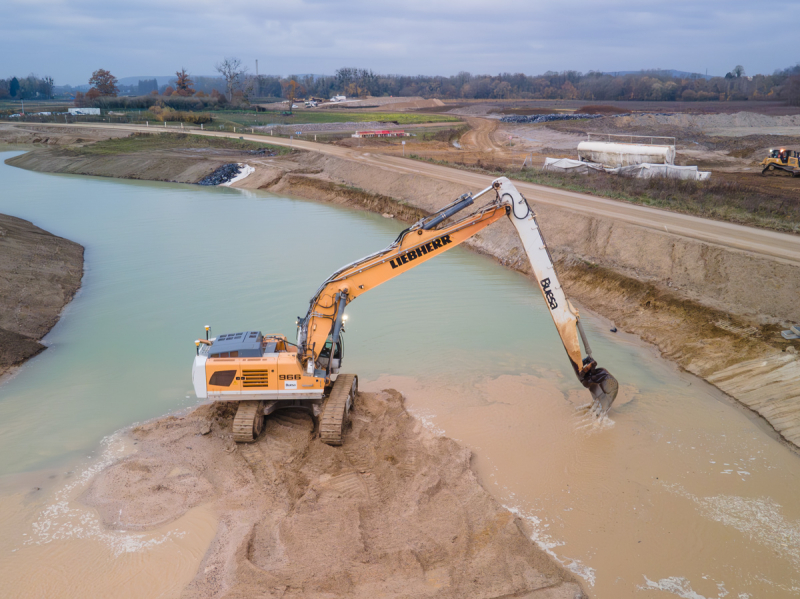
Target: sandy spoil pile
[(395, 512)]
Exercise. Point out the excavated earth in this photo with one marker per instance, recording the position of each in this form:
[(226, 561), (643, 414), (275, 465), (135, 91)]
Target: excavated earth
[(39, 275), (395, 512)]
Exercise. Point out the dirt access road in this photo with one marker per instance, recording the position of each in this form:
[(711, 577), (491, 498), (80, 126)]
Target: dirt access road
[(775, 245), (479, 137)]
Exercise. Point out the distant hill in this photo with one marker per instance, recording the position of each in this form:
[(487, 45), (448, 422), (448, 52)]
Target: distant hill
[(663, 72)]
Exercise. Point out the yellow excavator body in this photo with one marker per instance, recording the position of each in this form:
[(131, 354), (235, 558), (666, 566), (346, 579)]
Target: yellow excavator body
[(271, 371), (781, 161)]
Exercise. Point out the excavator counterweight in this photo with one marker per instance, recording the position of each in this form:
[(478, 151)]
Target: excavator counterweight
[(269, 372)]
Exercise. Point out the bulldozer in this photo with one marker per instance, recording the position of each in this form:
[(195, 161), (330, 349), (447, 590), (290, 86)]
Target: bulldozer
[(781, 161), (265, 373)]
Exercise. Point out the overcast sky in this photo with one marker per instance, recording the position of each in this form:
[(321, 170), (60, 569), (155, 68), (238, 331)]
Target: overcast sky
[(68, 39)]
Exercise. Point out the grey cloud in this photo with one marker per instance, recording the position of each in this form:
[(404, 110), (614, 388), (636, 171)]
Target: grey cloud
[(70, 38)]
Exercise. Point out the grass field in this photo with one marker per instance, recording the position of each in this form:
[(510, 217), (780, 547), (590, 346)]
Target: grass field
[(145, 142)]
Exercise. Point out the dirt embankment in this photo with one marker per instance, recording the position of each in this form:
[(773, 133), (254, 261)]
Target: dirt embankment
[(39, 275), (39, 135), (715, 311), (394, 512)]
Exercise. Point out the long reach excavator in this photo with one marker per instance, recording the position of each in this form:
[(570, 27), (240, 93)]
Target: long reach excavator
[(265, 373)]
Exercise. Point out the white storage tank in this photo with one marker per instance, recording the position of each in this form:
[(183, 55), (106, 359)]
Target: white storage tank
[(624, 154)]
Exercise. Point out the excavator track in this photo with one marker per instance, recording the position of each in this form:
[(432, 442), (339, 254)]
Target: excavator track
[(248, 422), (333, 419)]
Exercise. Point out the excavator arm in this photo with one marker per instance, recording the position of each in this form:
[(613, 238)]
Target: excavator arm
[(424, 240)]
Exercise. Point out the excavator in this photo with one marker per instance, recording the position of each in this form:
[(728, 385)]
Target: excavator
[(265, 373), (781, 161)]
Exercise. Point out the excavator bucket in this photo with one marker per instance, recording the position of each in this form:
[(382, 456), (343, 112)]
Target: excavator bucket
[(603, 387)]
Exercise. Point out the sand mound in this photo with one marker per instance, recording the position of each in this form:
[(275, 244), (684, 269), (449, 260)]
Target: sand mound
[(415, 104), (395, 512)]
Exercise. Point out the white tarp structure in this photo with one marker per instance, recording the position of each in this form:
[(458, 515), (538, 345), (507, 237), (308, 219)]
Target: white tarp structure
[(648, 171), (636, 171), (567, 165), (615, 154), (84, 111)]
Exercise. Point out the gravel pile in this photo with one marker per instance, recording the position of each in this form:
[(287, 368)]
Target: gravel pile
[(546, 118), (262, 152), (222, 175)]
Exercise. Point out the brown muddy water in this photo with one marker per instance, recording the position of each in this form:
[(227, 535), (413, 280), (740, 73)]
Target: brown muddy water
[(680, 492)]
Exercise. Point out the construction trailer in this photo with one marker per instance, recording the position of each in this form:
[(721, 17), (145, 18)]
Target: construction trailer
[(84, 111)]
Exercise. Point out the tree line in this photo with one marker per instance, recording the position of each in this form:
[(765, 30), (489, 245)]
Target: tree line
[(235, 86), (25, 88), (566, 85)]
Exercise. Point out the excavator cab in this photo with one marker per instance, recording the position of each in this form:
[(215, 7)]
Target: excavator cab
[(338, 354)]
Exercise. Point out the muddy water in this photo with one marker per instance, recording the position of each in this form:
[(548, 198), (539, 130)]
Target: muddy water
[(679, 493)]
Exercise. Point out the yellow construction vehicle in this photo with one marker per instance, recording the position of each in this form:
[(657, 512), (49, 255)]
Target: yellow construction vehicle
[(781, 161), (265, 373)]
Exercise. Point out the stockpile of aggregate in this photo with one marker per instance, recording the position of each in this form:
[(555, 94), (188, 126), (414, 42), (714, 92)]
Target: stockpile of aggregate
[(546, 118), (222, 175), (262, 152)]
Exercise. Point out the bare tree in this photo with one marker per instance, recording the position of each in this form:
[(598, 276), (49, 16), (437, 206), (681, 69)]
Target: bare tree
[(232, 71)]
